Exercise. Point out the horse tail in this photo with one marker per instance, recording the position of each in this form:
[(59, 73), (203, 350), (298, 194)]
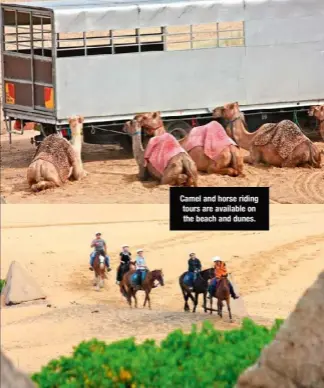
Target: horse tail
[(190, 170)]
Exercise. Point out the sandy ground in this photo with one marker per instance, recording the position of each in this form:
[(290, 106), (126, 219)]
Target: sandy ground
[(271, 270), (113, 179)]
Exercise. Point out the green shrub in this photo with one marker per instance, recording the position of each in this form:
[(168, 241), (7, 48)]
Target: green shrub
[(200, 359), (2, 284)]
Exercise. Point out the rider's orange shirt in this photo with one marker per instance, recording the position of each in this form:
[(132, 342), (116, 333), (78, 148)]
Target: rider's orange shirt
[(220, 270)]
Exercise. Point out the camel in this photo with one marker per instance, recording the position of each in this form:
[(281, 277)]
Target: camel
[(279, 145), (177, 170), (225, 161), (318, 112), (76, 126)]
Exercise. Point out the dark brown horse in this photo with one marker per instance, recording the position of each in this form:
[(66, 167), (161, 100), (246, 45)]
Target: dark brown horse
[(222, 293), (99, 271), (200, 286), (129, 290)]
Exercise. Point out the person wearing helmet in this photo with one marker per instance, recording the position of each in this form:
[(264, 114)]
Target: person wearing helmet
[(125, 258), (220, 271), (194, 267), (140, 265), (99, 245)]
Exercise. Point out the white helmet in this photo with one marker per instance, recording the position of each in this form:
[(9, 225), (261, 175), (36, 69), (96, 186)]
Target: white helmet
[(125, 246), (140, 250), (216, 258)]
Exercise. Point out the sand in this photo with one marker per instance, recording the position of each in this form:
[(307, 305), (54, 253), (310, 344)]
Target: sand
[(113, 178), (271, 269)]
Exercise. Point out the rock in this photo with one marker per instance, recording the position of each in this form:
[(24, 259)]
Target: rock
[(12, 377), (296, 356), (20, 286)]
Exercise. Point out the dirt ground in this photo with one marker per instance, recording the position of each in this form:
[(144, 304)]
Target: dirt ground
[(271, 270), (113, 178)]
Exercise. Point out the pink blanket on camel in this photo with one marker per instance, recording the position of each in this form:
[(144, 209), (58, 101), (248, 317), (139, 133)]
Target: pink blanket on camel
[(212, 137), (160, 149)]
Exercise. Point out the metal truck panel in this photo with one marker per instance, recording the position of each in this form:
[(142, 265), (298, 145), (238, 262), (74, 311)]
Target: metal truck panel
[(111, 85)]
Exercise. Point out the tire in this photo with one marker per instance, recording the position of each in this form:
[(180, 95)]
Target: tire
[(178, 128)]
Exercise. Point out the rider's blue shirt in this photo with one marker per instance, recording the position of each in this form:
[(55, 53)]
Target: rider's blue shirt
[(140, 262)]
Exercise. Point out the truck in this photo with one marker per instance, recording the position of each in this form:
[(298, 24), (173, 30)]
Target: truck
[(108, 61)]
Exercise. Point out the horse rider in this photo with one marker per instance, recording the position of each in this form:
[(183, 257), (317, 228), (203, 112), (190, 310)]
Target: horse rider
[(220, 271), (125, 258), (140, 265), (194, 267), (99, 246)]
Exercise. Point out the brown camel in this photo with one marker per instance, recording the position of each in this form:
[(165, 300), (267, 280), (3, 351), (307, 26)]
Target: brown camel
[(280, 145), (318, 112), (179, 170), (54, 163), (227, 162)]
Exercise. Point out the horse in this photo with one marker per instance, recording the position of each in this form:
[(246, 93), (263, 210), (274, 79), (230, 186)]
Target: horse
[(129, 289), (99, 270), (200, 286), (222, 293)]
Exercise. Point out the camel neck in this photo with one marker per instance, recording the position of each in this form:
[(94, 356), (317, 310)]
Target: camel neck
[(321, 128), (138, 149), (76, 136), (239, 133)]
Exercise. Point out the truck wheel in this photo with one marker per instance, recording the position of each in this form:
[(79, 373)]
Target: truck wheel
[(178, 128)]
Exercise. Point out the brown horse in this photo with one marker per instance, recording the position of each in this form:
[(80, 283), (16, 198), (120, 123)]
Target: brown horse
[(99, 271), (129, 290), (222, 293)]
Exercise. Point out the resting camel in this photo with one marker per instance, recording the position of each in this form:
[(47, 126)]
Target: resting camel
[(279, 145), (163, 159), (318, 112), (209, 146), (55, 161)]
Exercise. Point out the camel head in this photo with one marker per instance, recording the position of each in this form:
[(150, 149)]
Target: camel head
[(76, 125), (131, 127), (227, 112), (151, 122), (317, 111)]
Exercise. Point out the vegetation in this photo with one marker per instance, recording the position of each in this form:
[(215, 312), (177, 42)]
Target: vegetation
[(2, 284), (205, 358)]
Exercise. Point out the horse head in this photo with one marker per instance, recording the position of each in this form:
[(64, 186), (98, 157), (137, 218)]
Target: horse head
[(101, 261), (157, 275)]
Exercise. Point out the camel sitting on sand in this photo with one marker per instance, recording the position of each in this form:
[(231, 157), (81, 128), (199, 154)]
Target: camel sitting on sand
[(56, 160), (318, 112), (208, 145), (279, 145), (163, 158)]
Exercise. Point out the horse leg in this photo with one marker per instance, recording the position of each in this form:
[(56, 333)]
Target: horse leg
[(97, 283), (229, 309), (149, 300), (211, 304), (145, 299), (134, 296), (195, 302), (220, 307), (205, 302), (185, 297)]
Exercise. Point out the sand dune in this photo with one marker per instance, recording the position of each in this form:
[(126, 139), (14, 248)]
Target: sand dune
[(271, 269)]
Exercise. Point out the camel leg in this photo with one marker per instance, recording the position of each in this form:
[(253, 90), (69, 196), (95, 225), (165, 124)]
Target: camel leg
[(42, 175), (173, 174), (255, 156), (229, 309), (212, 169)]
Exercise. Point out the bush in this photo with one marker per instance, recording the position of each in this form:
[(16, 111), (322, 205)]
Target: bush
[(2, 284), (200, 359)]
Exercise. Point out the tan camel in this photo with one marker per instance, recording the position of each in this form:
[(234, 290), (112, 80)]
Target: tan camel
[(318, 112), (76, 126), (180, 169), (280, 145), (228, 162)]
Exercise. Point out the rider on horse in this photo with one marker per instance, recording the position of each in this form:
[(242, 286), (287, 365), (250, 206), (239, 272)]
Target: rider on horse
[(140, 265), (125, 258), (220, 271), (194, 266), (100, 247)]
